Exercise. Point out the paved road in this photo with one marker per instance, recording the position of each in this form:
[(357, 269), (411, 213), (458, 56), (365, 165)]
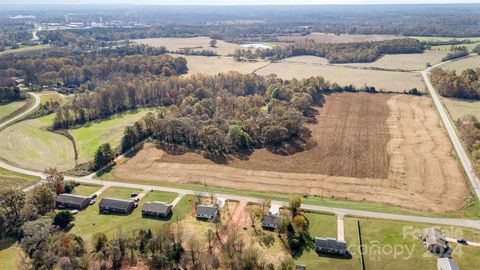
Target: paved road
[(35, 105), (338, 211), (463, 157)]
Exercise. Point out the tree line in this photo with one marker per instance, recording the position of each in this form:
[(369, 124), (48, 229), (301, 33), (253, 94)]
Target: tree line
[(449, 84), (89, 69), (9, 92), (469, 128), (355, 52), (456, 52)]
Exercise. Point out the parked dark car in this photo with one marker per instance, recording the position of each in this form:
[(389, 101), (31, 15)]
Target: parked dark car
[(93, 196), (462, 241)]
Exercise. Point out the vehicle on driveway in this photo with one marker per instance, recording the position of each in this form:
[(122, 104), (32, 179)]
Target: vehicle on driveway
[(462, 241), (92, 202)]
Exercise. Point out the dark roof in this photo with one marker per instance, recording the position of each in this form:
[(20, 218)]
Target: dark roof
[(271, 219), (116, 203), (71, 199), (157, 207), (330, 243), (208, 210)]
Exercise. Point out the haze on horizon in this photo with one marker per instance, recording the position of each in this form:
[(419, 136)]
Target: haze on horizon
[(231, 2)]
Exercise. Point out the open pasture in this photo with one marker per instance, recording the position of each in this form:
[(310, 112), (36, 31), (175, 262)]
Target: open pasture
[(13, 180), (214, 65), (380, 148), (459, 107), (409, 62), (463, 64), (29, 145), (333, 38), (391, 81), (89, 137), (9, 108), (195, 43), (445, 39)]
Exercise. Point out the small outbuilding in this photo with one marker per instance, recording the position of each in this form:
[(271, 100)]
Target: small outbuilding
[(271, 221), (110, 205), (330, 245), (206, 211), (72, 201), (156, 209), (435, 242), (447, 264)]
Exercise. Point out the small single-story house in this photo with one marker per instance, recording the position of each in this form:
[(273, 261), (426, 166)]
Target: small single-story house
[(330, 245), (156, 209), (447, 264), (300, 267), (72, 201), (271, 221), (435, 242), (110, 205), (206, 211)]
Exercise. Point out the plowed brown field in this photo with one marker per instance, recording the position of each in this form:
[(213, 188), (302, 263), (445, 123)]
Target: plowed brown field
[(376, 147)]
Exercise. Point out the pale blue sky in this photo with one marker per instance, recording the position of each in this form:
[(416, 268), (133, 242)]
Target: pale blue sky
[(234, 2)]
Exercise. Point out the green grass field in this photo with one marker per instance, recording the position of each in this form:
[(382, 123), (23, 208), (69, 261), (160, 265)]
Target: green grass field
[(387, 245), (29, 145), (89, 221), (26, 49), (89, 137), (51, 96), (460, 107), (443, 39), (85, 190), (9, 256), (7, 109), (9, 179)]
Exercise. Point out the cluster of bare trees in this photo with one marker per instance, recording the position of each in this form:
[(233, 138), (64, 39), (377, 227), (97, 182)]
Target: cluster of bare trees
[(337, 52), (464, 85), (469, 128)]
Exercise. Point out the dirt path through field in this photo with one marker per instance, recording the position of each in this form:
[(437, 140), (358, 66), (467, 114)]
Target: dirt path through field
[(380, 148)]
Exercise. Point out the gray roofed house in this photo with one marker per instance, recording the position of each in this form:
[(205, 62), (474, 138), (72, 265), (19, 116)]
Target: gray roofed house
[(271, 221), (330, 245), (447, 264), (206, 211), (110, 205), (156, 209), (435, 242), (72, 201)]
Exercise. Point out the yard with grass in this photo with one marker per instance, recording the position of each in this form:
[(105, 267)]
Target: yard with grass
[(9, 108), (89, 221), (28, 144), (85, 190), (90, 136)]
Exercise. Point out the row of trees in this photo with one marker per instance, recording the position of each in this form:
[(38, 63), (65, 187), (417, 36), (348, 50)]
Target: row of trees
[(456, 52), (355, 52), (10, 93), (464, 85), (469, 128)]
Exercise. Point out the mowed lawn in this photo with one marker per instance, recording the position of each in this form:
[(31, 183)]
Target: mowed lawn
[(387, 245), (460, 107), (28, 144), (323, 225), (90, 136), (13, 180), (85, 190), (89, 221), (395, 245), (9, 108)]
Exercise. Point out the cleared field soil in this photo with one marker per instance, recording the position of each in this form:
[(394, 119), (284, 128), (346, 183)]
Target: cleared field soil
[(29, 145), (411, 62), (89, 137), (381, 148), (460, 65), (332, 38), (214, 65), (9, 108), (460, 107), (196, 43), (306, 66)]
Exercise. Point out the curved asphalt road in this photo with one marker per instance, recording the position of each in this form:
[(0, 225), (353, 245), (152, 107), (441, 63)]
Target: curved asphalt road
[(338, 211)]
